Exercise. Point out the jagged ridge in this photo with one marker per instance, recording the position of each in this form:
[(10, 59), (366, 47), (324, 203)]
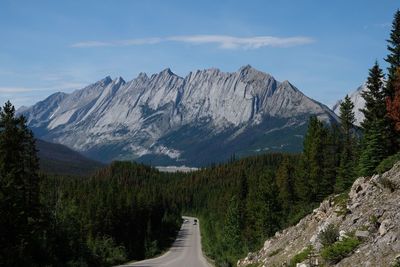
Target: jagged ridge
[(166, 119)]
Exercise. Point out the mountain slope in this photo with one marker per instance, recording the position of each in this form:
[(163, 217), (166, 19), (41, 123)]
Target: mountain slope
[(165, 119), (59, 159), (359, 103), (370, 213)]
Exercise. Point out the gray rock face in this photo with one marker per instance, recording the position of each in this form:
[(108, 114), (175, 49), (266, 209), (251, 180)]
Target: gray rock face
[(176, 119), (358, 101), (374, 221)]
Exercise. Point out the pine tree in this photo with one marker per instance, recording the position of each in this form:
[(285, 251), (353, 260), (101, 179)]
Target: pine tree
[(346, 172), (19, 192), (393, 59), (313, 163), (394, 54), (375, 125), (231, 233), (393, 104), (285, 183)]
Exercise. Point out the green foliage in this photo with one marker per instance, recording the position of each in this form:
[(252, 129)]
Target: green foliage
[(106, 252), (389, 184), (393, 58), (341, 202), (329, 235), (348, 155), (340, 249), (387, 163), (376, 142), (21, 220), (320, 159), (300, 257), (122, 212)]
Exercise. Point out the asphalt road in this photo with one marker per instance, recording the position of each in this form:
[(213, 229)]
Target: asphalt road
[(185, 252)]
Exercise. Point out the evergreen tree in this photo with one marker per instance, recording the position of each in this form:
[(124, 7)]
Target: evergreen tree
[(20, 218), (232, 232), (347, 118), (393, 57), (285, 183), (346, 172), (313, 162), (375, 124), (393, 104)]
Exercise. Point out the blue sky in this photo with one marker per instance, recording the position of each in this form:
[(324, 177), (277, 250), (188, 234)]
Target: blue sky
[(323, 47)]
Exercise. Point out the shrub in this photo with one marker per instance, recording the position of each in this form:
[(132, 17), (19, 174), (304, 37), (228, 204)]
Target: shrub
[(341, 202), (106, 252), (389, 184), (300, 257), (340, 249), (387, 163), (329, 235)]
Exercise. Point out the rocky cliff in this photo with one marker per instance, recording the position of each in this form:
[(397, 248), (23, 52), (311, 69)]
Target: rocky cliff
[(162, 119), (369, 215)]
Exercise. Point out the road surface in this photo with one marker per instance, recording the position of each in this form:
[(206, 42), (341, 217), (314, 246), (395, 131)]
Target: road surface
[(185, 251)]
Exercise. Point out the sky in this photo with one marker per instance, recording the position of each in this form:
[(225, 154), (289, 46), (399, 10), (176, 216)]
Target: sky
[(324, 48)]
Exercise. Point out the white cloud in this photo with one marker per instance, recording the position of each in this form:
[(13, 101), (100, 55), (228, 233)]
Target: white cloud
[(230, 42), (222, 41)]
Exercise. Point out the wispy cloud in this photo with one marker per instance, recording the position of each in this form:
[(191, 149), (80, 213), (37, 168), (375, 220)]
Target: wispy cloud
[(18, 90), (222, 41), (21, 90)]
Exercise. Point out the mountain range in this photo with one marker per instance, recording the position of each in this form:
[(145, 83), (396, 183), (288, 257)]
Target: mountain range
[(165, 119)]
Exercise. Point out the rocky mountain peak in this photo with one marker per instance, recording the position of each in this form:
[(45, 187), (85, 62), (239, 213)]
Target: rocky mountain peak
[(105, 81), (167, 72), (154, 117), (142, 76)]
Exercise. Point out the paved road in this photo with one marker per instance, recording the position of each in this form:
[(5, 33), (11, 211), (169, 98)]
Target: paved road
[(185, 252)]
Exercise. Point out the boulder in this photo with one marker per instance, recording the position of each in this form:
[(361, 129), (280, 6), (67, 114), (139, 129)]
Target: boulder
[(362, 234)]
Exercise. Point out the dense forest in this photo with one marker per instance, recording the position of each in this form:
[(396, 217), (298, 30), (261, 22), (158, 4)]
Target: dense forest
[(129, 211)]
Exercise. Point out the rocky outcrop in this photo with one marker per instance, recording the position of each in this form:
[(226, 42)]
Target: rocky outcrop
[(371, 213)]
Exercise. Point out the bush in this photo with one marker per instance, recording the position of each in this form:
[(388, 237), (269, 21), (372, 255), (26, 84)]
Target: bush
[(329, 235), (387, 163), (106, 252), (339, 250), (389, 184), (300, 257)]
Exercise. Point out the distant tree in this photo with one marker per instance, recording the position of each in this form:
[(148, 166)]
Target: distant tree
[(231, 231), (313, 162), (347, 166), (347, 117), (285, 183)]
